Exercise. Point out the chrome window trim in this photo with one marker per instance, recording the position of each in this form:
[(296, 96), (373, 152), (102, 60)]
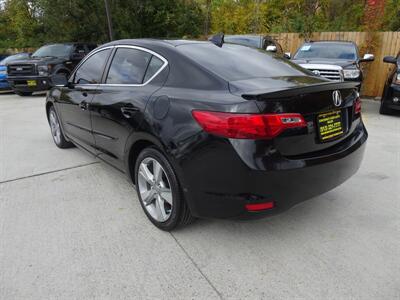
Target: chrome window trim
[(123, 84)]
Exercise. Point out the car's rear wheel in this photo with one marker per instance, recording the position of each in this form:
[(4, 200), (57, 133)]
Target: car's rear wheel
[(159, 191), (56, 130), (65, 73)]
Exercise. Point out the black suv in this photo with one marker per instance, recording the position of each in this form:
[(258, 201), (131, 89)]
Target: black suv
[(334, 60), (37, 73)]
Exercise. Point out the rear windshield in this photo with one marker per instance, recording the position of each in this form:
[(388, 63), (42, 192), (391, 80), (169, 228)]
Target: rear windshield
[(241, 40), (236, 62), (327, 51)]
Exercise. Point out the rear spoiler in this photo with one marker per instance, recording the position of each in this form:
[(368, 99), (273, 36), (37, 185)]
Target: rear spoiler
[(286, 92)]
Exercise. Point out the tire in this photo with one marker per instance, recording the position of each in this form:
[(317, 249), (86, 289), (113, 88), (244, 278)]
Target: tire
[(161, 198), (56, 130), (64, 73), (384, 110), (24, 94)]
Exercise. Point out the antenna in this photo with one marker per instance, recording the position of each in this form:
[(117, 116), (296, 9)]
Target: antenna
[(217, 39)]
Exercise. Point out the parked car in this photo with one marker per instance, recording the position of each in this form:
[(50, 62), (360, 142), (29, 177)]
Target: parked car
[(4, 85), (390, 101), (28, 76), (208, 131), (334, 60), (257, 41)]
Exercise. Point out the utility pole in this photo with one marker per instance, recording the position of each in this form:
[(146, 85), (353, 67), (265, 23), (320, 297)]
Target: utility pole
[(109, 21), (256, 28), (208, 18)]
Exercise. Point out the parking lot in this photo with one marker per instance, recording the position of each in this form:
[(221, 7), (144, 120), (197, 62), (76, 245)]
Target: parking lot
[(71, 227)]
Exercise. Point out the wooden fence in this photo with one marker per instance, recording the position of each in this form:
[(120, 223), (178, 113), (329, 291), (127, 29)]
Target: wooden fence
[(388, 43)]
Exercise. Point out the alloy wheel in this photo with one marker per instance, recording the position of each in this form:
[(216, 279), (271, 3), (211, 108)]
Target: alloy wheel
[(155, 190), (55, 127)]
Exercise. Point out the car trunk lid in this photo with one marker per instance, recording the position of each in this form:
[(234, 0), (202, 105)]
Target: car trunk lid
[(329, 121)]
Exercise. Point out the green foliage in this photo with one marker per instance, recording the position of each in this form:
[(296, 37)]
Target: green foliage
[(343, 15), (34, 22), (72, 20), (19, 24), (304, 16), (392, 15), (30, 23), (242, 16), (156, 18)]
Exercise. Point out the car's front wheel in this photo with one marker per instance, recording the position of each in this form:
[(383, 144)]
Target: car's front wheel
[(56, 130), (159, 191)]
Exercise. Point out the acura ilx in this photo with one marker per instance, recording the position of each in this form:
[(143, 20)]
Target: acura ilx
[(210, 130)]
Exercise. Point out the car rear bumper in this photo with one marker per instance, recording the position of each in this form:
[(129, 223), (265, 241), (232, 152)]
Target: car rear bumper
[(218, 184), (20, 84), (393, 106)]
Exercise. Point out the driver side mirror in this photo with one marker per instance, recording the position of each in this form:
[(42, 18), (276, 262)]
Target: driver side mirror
[(390, 60), (367, 57), (60, 80), (271, 48), (288, 55)]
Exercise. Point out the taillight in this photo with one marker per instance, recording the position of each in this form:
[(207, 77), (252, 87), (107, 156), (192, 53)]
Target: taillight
[(247, 126), (357, 106)]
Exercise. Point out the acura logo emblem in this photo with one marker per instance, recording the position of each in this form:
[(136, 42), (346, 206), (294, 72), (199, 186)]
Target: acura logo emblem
[(316, 72), (337, 98)]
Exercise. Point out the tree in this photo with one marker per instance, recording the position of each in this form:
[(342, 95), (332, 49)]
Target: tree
[(392, 15), (73, 20), (31, 23), (241, 16), (20, 25), (159, 18)]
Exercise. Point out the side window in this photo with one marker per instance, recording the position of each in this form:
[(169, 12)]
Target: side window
[(79, 49), (79, 52), (91, 70), (128, 66), (154, 65)]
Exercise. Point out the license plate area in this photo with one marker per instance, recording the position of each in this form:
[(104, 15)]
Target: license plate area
[(330, 126), (31, 82)]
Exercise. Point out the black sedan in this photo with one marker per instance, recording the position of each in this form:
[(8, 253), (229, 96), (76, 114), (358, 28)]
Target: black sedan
[(209, 131), (257, 41), (390, 101)]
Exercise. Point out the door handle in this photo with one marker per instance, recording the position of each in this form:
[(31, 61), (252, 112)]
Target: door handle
[(128, 111), (83, 105), (84, 94)]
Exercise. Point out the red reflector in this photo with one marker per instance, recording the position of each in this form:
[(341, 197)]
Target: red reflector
[(260, 206), (247, 126), (357, 106)]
